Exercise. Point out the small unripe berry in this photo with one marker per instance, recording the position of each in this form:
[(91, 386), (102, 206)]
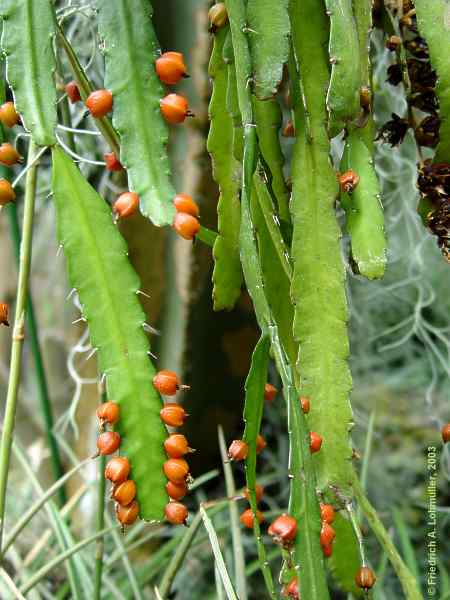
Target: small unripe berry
[(365, 578), (176, 491), (327, 551), (305, 404), (446, 433), (112, 162), (166, 382), (124, 492), (73, 91), (176, 445), (7, 193), (291, 589), (173, 414), (170, 67), (176, 513), (176, 469), (348, 181), (315, 442), (126, 205), (327, 513), (117, 469), (185, 204), (108, 412), (327, 535), (4, 309), (259, 491), (270, 391), (186, 225), (238, 450), (108, 442), (283, 529), (99, 103), (127, 514), (8, 114), (289, 129), (9, 155), (218, 15), (260, 443), (247, 520), (174, 108)]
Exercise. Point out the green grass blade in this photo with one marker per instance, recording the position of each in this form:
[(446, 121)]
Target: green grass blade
[(107, 287), (406, 544), (130, 49), (27, 41)]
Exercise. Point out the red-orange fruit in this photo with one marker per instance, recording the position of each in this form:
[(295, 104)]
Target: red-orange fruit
[(348, 181), (126, 205), (327, 551), (127, 514), (327, 513), (176, 445), (99, 103), (166, 382), (173, 414), (238, 450), (289, 129), (283, 529), (218, 15), (8, 114), (270, 391), (176, 469), (73, 91), (9, 155), (260, 443), (259, 491), (117, 469), (170, 67), (7, 193), (112, 162), (291, 589), (246, 518), (185, 204), (174, 108), (445, 432), (176, 491), (108, 442), (365, 578), (4, 309), (315, 442), (108, 412), (327, 535), (186, 225), (305, 404), (176, 513), (124, 492)]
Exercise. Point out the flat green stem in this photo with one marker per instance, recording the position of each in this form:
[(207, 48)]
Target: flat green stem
[(18, 333)]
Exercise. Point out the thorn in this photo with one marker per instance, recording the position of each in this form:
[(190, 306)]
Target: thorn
[(150, 329), (58, 252), (150, 353), (78, 320), (91, 354), (142, 293), (71, 293)]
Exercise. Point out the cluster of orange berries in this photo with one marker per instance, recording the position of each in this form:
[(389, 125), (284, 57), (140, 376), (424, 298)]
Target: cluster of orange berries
[(9, 156), (4, 310), (176, 446)]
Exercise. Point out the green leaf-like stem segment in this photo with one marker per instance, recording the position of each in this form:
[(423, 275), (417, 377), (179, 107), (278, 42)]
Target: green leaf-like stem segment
[(131, 48), (107, 287), (27, 41)]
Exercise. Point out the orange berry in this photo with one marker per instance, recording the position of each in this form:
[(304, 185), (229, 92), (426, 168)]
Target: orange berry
[(73, 91), (4, 309), (173, 414), (305, 404), (186, 225), (176, 469), (365, 578), (327, 535), (238, 450), (112, 162), (176, 445), (108, 412), (260, 443), (99, 103), (8, 114), (283, 529), (176, 491), (7, 193), (124, 492), (327, 551), (108, 442), (289, 129), (9, 155), (315, 442), (184, 204), (126, 205), (170, 67), (174, 108), (247, 520), (166, 382), (270, 391), (117, 469), (291, 589), (176, 513), (259, 491), (348, 181), (446, 433), (127, 514), (218, 15), (327, 513)]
